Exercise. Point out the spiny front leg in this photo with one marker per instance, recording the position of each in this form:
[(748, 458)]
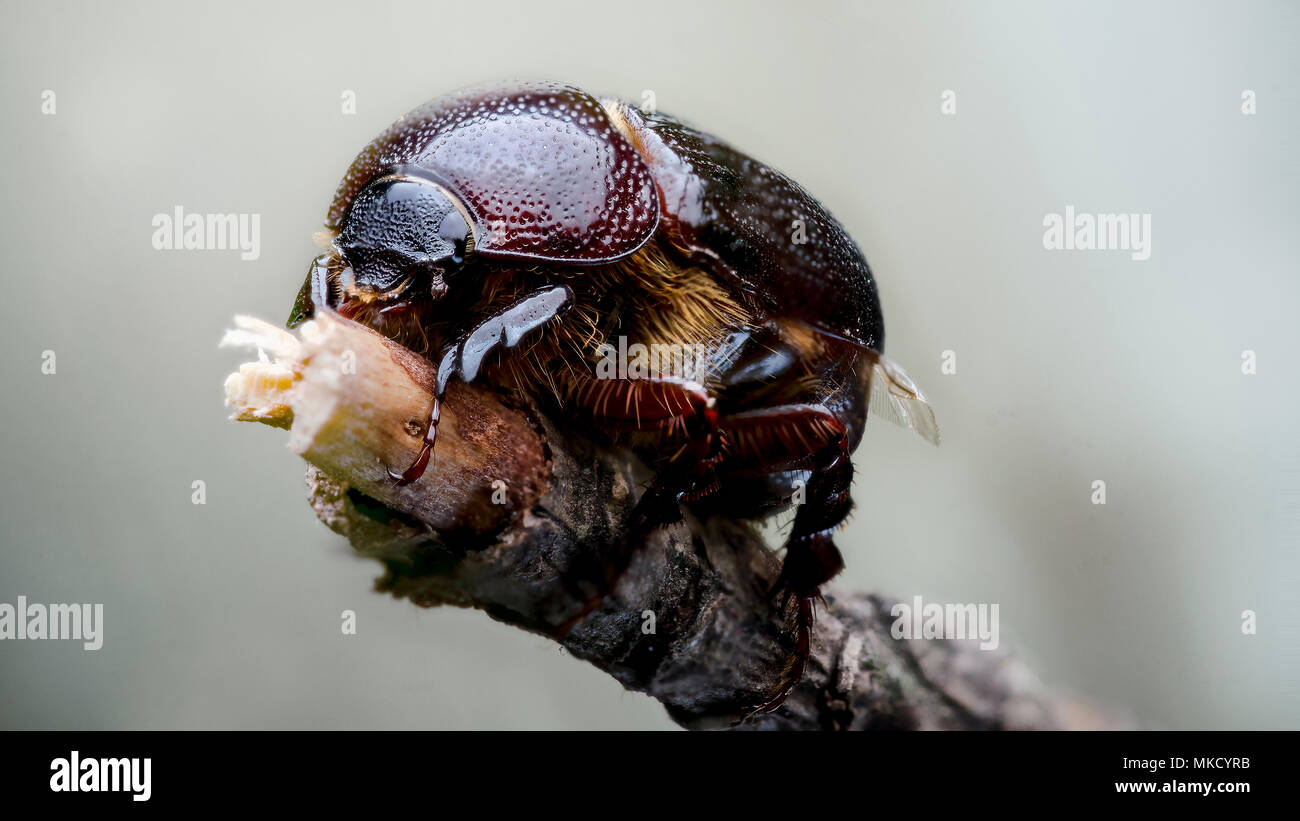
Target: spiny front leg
[(505, 328)]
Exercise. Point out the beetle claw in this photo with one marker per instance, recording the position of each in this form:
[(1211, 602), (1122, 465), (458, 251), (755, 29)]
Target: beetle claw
[(416, 470), (421, 463), (803, 645)]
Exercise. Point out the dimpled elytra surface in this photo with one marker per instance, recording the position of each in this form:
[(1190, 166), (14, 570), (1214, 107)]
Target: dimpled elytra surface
[(540, 167), (779, 247), (403, 215)]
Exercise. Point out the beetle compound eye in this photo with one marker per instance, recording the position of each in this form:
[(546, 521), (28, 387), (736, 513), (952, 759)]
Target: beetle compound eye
[(455, 230)]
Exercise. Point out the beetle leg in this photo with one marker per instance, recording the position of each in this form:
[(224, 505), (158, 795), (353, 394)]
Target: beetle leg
[(464, 359), (651, 404), (315, 292), (785, 437), (811, 560), (421, 463), (806, 438), (763, 359), (811, 557), (503, 329)]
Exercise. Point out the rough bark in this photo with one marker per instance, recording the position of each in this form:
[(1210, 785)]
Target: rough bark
[(519, 515)]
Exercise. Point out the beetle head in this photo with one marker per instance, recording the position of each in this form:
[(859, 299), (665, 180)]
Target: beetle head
[(401, 232), (401, 238)]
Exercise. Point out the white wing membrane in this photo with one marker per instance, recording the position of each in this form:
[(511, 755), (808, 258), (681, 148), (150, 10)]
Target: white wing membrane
[(894, 396)]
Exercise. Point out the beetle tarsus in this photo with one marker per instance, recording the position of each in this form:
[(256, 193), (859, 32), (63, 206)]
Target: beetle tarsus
[(421, 463), (811, 560), (417, 468), (804, 617), (793, 583)]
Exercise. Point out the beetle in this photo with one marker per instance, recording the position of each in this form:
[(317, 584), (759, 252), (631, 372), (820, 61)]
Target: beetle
[(520, 233)]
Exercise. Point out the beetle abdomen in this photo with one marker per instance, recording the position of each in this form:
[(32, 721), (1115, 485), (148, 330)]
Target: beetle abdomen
[(539, 166), (779, 248)]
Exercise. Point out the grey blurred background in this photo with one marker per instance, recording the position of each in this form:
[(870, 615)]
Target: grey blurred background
[(1073, 366)]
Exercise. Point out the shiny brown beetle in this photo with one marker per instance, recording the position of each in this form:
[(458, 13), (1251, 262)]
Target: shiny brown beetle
[(586, 226)]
